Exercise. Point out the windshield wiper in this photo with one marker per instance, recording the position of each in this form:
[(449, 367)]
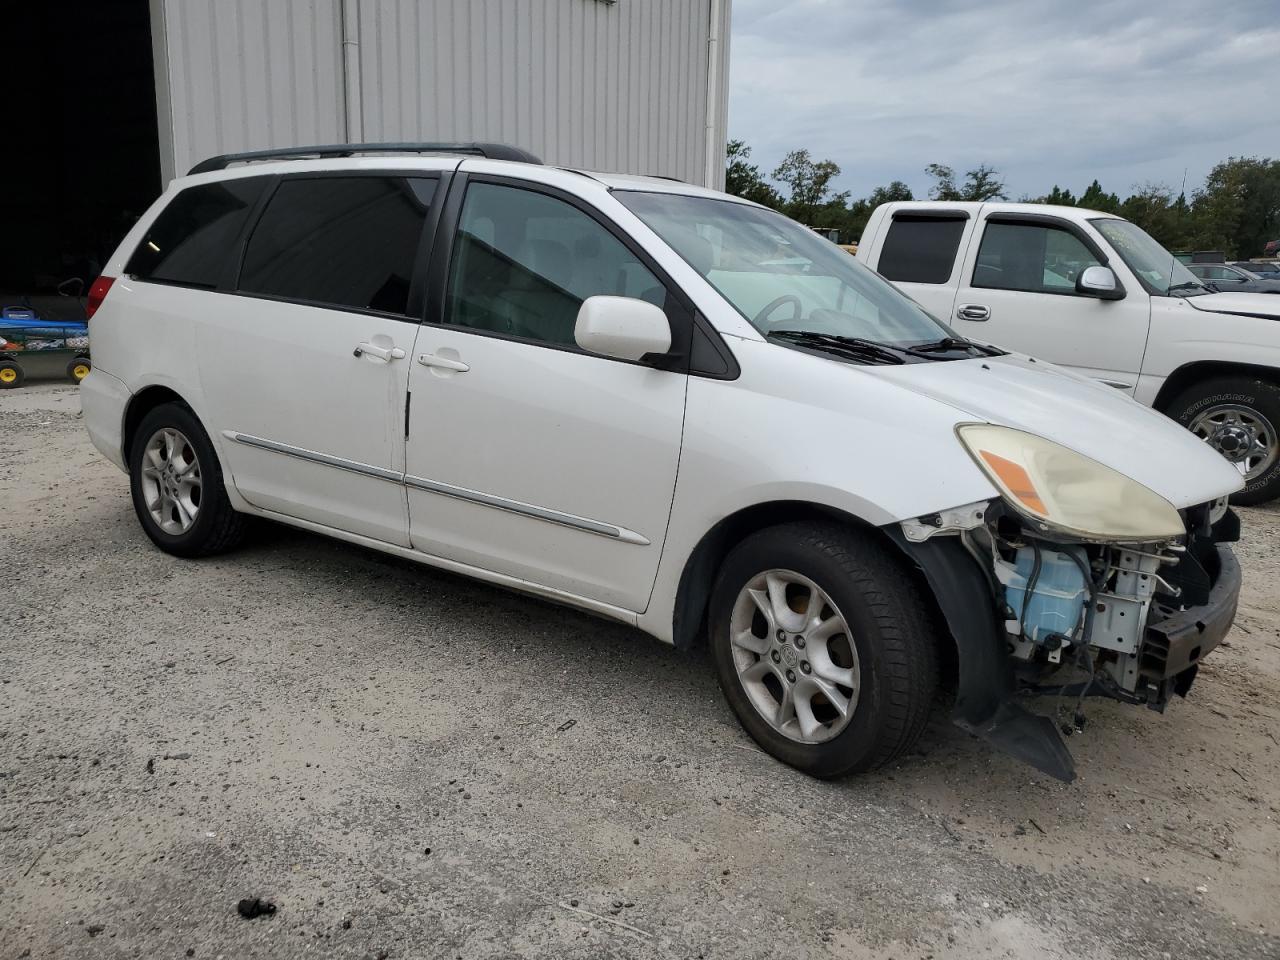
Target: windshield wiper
[(948, 344), (1187, 285), (851, 346)]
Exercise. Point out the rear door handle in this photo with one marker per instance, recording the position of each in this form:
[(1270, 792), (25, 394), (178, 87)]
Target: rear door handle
[(444, 363), (973, 311), (385, 354)]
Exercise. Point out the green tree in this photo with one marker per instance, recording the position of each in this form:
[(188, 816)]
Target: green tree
[(1156, 210), (1238, 208), (1058, 197), (1095, 198), (981, 183), (810, 183), (742, 178)]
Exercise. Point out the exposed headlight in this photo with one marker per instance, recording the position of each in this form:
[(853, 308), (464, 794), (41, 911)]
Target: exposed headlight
[(1060, 490)]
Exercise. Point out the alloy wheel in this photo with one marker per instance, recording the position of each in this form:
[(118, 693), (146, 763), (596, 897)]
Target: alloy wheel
[(794, 655), (171, 486)]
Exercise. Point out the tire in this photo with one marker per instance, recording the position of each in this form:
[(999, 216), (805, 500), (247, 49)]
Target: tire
[(1205, 409), (195, 516), (896, 662), (11, 375), (78, 369)]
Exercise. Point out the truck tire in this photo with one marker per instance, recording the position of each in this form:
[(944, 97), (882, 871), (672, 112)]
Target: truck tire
[(822, 647), (177, 485), (1239, 417)]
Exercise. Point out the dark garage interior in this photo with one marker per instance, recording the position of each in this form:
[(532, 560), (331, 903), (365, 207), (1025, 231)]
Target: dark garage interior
[(80, 151)]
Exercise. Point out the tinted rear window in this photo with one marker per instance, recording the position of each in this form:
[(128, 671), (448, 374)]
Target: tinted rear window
[(191, 239), (920, 249), (341, 241)]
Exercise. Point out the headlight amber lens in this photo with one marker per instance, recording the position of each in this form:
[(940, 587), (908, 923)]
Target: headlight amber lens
[(1061, 490)]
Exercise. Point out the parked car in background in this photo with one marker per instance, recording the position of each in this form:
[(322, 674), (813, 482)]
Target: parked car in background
[(1095, 293), (1229, 278), (1266, 269), (669, 407)]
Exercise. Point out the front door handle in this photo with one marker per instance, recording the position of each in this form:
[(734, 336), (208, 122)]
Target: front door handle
[(444, 363), (385, 354), (973, 311)]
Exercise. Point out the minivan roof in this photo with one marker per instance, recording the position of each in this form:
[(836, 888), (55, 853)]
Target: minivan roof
[(436, 161)]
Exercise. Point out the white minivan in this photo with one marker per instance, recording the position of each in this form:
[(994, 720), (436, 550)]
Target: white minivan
[(669, 407)]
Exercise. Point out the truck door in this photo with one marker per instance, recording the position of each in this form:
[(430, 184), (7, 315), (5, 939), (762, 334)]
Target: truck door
[(1018, 290), (922, 252)]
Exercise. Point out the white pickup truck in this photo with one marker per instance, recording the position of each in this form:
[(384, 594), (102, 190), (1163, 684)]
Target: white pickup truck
[(1095, 293)]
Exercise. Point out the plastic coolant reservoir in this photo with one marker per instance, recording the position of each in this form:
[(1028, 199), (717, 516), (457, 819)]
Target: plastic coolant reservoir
[(1059, 595)]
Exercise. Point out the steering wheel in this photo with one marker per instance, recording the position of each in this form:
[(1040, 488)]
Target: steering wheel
[(774, 304)]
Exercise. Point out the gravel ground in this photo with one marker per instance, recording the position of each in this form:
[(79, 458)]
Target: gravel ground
[(410, 764)]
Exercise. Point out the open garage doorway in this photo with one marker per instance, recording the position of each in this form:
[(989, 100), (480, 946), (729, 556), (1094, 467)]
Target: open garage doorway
[(79, 157)]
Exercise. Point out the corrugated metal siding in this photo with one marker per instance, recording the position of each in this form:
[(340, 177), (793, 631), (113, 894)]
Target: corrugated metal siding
[(616, 87), (251, 74)]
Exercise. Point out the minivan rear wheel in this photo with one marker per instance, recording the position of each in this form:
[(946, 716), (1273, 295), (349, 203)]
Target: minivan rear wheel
[(822, 648), (177, 485)]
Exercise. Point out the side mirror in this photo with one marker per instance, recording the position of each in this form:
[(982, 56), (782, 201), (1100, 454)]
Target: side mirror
[(1099, 282), (622, 328)]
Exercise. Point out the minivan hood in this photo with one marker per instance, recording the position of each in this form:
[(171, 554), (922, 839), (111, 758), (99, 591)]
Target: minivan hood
[(1082, 414), (1264, 305)]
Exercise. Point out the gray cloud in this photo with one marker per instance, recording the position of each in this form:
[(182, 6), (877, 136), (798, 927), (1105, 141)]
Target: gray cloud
[(1129, 91)]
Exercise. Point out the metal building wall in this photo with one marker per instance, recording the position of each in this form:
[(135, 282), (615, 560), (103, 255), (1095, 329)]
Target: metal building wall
[(621, 86)]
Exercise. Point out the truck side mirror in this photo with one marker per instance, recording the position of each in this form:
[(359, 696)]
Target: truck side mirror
[(1100, 282)]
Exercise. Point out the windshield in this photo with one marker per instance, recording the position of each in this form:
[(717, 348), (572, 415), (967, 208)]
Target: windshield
[(779, 275), (1159, 271)]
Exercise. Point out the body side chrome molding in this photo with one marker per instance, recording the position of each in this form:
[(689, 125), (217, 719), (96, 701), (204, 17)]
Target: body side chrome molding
[(527, 510), (354, 466), (584, 524)]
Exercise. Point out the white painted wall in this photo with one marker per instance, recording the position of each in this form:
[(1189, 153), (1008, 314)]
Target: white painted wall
[(631, 86)]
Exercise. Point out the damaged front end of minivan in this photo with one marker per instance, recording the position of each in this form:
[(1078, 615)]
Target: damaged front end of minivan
[(1091, 585)]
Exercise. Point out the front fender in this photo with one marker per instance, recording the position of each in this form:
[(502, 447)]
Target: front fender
[(984, 704)]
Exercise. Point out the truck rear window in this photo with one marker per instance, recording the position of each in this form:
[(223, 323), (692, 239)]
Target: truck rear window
[(921, 249), (190, 241)]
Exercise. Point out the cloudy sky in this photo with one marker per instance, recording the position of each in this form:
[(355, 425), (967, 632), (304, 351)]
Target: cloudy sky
[(1128, 91)]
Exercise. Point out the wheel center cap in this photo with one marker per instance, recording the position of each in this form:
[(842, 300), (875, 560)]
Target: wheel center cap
[(1232, 441), (789, 655)]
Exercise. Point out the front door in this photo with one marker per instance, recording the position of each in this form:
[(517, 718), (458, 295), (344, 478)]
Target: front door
[(527, 456), (305, 368), (1018, 290)]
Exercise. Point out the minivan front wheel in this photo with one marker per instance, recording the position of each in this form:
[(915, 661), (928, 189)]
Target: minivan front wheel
[(822, 648), (177, 488)]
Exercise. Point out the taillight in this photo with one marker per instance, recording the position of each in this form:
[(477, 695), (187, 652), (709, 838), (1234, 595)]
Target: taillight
[(97, 293)]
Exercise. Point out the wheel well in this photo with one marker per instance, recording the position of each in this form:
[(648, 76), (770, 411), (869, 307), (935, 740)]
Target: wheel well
[(1193, 373), (142, 403), (694, 593)]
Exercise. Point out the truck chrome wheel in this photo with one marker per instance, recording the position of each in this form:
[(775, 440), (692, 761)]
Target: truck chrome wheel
[(794, 656), (1242, 435), (171, 481)]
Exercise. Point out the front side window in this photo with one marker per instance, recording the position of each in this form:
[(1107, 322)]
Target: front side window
[(339, 241), (921, 249), (1160, 272), (781, 276), (192, 239), (1031, 258), (523, 262)]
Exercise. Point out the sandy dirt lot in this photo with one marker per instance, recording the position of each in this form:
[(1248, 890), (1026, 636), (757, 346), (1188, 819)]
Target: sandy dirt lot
[(410, 764)]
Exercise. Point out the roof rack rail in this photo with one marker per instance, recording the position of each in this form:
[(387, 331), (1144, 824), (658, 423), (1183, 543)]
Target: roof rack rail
[(492, 151)]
